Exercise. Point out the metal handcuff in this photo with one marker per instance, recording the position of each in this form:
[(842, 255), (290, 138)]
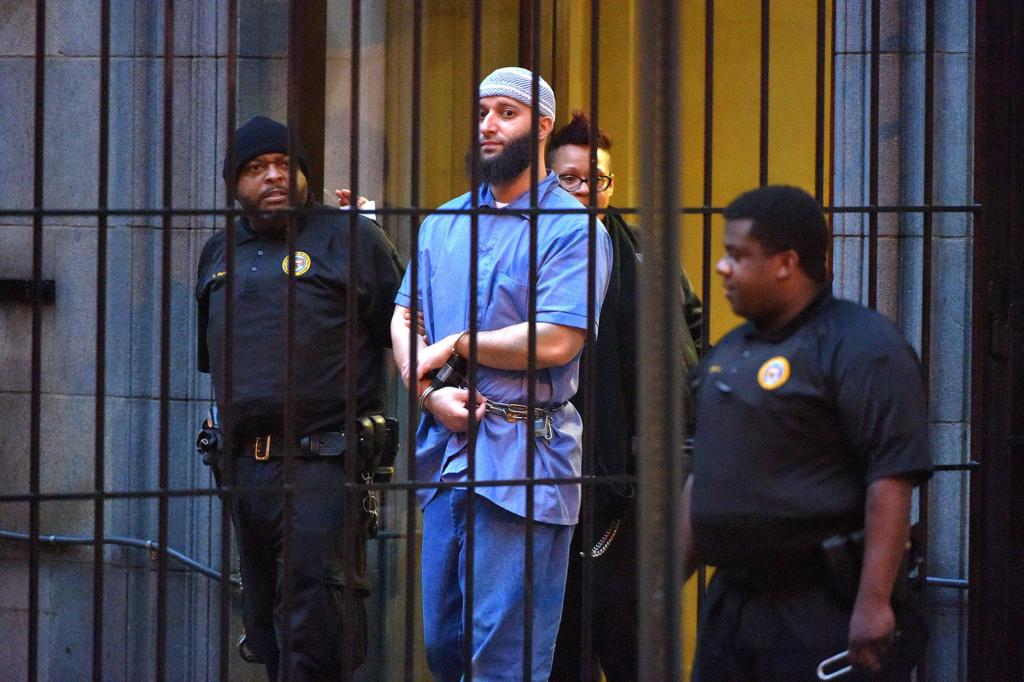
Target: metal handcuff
[(841, 658), (452, 374)]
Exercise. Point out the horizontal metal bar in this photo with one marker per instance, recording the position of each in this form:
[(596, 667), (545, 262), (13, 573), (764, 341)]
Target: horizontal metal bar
[(965, 466), (27, 290), (148, 545), (483, 210), (952, 583), (206, 492)]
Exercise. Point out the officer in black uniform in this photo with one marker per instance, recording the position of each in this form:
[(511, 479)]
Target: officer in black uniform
[(811, 434), (322, 622)]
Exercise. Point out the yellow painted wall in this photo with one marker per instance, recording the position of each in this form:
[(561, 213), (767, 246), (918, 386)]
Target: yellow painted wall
[(736, 123), (445, 108), (736, 115)]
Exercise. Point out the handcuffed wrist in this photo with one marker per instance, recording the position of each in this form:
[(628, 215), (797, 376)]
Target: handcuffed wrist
[(423, 398), (455, 346)]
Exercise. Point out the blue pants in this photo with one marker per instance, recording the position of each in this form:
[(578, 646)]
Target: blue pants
[(499, 541)]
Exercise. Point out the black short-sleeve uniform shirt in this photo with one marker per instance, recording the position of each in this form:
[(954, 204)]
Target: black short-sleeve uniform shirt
[(792, 427), (321, 319)]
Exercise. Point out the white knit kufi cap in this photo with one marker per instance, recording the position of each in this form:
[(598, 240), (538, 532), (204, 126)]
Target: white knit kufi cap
[(517, 83)]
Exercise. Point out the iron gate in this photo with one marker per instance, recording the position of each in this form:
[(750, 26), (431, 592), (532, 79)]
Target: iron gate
[(870, 236)]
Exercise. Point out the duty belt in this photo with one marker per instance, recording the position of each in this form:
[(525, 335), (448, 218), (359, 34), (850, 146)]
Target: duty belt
[(320, 444), (513, 412)]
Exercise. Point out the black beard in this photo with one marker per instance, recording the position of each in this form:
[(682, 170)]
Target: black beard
[(263, 225), (266, 223), (506, 166)]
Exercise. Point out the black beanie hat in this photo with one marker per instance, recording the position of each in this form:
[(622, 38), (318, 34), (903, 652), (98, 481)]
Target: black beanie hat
[(262, 135)]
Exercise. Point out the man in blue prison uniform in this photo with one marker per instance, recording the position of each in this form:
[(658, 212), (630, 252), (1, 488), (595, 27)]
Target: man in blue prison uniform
[(443, 290)]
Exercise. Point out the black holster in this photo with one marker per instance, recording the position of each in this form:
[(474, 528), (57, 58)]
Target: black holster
[(209, 442), (378, 446), (844, 556)]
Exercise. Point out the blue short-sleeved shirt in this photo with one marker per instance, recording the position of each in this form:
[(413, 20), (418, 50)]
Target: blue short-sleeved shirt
[(503, 300)]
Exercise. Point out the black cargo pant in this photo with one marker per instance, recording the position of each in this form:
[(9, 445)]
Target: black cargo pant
[(780, 627), (323, 623)]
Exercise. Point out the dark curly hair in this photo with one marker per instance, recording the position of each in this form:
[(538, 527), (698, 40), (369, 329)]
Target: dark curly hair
[(577, 131), (783, 218)]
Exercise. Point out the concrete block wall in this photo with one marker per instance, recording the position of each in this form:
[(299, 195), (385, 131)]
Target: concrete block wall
[(133, 322), (900, 252), (133, 326)]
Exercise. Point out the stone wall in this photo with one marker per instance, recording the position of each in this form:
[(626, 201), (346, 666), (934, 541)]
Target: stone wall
[(133, 323), (900, 252)]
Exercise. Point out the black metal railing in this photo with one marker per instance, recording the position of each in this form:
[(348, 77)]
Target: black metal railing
[(661, 212)]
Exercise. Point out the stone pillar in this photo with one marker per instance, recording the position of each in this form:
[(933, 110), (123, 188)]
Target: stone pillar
[(133, 328), (900, 260)]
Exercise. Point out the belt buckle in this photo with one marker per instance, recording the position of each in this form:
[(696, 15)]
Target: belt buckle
[(261, 449)]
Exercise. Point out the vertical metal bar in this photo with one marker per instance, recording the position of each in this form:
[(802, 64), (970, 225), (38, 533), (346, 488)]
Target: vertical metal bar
[(528, 16), (38, 175), (288, 466), (995, 609), (819, 107), (709, 156), (227, 413), (927, 190), (926, 272), (412, 414), (829, 216), (474, 276), (589, 492), (873, 159), (165, 338), (352, 497), (531, 363), (553, 80), (706, 237), (660, 574), (99, 468), (311, 70), (765, 49)]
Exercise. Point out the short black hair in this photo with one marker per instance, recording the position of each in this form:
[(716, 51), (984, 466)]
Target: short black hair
[(783, 218), (577, 131)]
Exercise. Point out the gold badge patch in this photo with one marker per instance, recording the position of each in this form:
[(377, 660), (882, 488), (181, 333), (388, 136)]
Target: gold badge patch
[(302, 263), (773, 373)]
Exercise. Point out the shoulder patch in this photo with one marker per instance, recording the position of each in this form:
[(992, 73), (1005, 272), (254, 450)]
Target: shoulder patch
[(773, 373), (302, 263)]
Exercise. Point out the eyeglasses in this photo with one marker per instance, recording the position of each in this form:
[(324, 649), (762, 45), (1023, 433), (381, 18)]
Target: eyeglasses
[(571, 183)]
